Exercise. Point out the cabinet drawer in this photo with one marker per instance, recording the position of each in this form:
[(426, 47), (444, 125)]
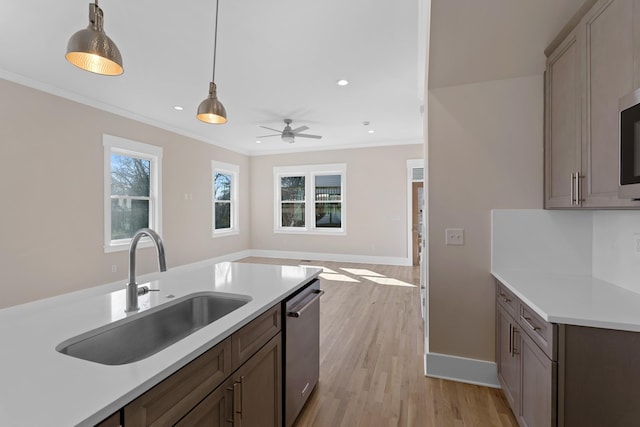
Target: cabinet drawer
[(249, 339), (507, 299), (173, 398), (543, 333)]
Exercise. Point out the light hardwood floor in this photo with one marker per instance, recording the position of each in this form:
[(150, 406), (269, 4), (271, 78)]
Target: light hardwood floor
[(371, 357)]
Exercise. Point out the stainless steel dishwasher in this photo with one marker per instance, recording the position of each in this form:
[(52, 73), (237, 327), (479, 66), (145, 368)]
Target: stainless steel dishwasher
[(302, 349)]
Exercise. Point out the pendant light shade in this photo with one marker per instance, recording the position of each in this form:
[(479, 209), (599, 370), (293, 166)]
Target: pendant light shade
[(211, 109), (92, 50)]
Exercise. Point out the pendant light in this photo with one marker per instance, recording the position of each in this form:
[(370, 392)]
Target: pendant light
[(211, 109), (92, 50)]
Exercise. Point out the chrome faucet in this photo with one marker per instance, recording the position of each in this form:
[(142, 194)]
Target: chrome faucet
[(132, 287)]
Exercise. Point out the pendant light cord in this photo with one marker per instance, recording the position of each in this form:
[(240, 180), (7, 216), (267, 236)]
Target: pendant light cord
[(215, 45)]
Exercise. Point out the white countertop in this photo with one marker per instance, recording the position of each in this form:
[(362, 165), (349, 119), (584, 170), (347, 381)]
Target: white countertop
[(574, 299), (41, 387)]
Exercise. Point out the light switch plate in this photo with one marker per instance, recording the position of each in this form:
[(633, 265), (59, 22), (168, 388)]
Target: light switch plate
[(454, 236)]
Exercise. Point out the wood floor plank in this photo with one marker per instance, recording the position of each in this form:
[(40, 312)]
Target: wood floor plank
[(371, 357)]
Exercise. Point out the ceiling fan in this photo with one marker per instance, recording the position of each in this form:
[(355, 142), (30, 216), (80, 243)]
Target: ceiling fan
[(288, 134)]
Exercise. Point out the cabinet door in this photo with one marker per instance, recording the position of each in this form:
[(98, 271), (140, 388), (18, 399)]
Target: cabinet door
[(562, 123), (257, 388), (538, 386), (508, 357), (609, 75), (214, 411), (173, 398), (112, 421)]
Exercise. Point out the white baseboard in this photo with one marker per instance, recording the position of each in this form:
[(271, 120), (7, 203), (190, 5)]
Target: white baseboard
[(472, 371), (317, 256)]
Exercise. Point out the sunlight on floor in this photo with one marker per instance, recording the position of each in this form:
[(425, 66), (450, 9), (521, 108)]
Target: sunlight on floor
[(390, 281), (338, 277), (361, 272), (324, 269)]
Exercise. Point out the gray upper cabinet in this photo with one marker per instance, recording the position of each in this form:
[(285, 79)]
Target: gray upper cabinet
[(596, 64), (563, 133)]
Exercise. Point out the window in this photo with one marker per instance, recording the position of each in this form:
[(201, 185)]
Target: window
[(310, 199), (132, 172), (225, 198)]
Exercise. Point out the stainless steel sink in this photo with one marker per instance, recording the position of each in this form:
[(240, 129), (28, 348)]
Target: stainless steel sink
[(140, 336)]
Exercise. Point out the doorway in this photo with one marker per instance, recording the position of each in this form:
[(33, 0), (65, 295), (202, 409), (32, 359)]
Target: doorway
[(415, 207), (417, 204)]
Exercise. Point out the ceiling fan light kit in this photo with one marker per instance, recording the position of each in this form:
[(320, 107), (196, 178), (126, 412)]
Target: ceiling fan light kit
[(288, 135), (211, 109), (92, 50)]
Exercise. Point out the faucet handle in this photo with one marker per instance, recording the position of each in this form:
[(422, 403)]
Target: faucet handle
[(143, 290)]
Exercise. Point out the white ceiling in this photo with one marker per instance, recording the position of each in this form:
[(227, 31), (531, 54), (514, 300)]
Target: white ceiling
[(481, 40), (276, 59)]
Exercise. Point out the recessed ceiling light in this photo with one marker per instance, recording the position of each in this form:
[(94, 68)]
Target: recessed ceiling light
[(342, 82), (258, 142), (178, 108), (371, 131)]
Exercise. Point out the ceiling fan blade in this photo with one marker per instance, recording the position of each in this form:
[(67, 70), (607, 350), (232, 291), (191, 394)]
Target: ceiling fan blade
[(308, 136), (300, 129), (275, 130), (267, 136)]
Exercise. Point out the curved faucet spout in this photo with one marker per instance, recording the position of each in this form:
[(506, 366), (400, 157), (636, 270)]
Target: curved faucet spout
[(132, 286)]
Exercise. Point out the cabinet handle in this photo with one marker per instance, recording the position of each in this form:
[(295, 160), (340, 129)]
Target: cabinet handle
[(241, 395), (527, 321), (510, 339), (515, 350), (579, 198), (505, 298), (573, 198), (576, 189), (237, 408)]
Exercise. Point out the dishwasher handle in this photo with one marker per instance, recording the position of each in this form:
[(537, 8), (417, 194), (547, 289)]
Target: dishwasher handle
[(298, 313)]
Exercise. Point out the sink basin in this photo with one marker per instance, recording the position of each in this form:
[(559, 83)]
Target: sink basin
[(138, 337)]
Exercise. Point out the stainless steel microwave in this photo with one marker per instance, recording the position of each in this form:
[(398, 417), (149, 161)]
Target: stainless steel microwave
[(629, 148)]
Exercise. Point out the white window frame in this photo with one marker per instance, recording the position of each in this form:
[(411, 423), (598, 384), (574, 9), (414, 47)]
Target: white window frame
[(116, 145), (309, 172), (234, 172)]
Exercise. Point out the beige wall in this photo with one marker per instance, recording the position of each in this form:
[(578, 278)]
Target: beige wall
[(376, 202), (485, 151), (51, 185)]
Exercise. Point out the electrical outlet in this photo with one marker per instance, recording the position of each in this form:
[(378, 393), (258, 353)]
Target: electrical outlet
[(114, 268), (454, 236)]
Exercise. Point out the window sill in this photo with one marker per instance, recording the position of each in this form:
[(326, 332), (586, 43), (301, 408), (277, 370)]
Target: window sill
[(217, 234), (145, 242), (316, 232)]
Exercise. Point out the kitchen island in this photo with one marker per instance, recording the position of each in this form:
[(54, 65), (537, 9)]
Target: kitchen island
[(41, 386)]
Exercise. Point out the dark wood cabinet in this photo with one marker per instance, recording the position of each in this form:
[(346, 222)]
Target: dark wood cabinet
[(214, 411), (112, 421), (238, 381), (169, 401), (257, 388)]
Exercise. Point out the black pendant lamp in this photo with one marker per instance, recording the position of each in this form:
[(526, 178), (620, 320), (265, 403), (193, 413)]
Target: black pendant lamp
[(211, 109), (92, 50)]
